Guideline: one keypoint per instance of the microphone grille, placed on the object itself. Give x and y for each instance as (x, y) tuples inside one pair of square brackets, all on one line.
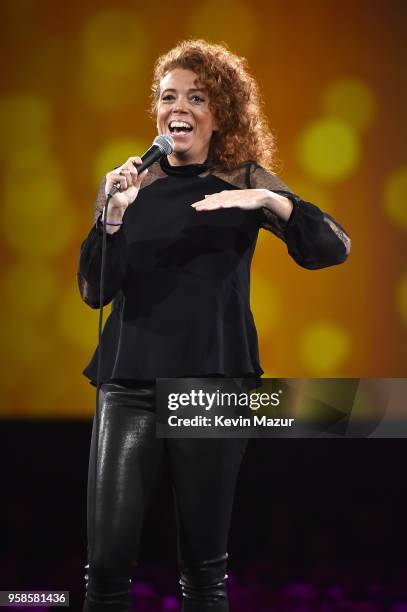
[(165, 143)]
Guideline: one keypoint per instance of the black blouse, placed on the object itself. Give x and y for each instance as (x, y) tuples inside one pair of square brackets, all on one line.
[(179, 279)]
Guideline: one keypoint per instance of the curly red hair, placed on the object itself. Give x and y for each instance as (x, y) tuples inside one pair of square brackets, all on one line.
[(234, 99)]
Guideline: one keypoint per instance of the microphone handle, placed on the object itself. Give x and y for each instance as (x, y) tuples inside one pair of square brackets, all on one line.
[(150, 156)]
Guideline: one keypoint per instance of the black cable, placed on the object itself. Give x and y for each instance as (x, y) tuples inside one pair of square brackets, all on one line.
[(99, 364)]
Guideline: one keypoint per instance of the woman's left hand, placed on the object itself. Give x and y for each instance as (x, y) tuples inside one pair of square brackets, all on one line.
[(248, 199)]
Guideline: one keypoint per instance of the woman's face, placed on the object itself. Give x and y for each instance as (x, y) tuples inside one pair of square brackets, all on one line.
[(183, 112)]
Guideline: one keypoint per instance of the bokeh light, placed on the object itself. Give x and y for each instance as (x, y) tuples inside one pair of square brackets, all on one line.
[(329, 150), (114, 153), (324, 346), (115, 49), (352, 101), (25, 125)]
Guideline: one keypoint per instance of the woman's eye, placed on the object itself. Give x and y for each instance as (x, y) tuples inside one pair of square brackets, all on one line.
[(194, 98)]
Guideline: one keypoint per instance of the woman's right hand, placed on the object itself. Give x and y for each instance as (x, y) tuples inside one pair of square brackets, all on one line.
[(129, 181)]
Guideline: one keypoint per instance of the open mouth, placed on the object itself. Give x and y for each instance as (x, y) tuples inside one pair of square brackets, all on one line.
[(179, 128)]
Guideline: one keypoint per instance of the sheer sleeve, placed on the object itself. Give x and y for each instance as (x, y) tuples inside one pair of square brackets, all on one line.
[(91, 257), (314, 239)]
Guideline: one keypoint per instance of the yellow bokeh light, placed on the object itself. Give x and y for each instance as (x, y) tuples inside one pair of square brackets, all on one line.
[(352, 101), (113, 41), (266, 306), (25, 124), (329, 150), (115, 49), (37, 218), (401, 298), (115, 153), (29, 287), (77, 322), (215, 21), (394, 197), (323, 348)]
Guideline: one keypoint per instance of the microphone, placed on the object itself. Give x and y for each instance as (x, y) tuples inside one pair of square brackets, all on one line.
[(162, 145)]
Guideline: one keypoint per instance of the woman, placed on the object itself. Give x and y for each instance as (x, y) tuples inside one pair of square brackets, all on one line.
[(180, 241)]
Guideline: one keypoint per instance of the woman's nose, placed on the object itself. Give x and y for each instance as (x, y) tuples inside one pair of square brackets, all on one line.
[(180, 105)]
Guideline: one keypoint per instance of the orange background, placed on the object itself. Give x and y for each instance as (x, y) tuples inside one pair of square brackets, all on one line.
[(75, 94)]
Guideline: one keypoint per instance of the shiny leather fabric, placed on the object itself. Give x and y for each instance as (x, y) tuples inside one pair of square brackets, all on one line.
[(129, 457), (203, 585)]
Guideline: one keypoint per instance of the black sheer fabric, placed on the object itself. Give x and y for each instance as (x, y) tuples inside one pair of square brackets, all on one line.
[(179, 279)]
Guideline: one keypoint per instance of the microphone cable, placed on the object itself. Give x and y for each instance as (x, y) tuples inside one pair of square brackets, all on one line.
[(99, 369), (162, 145)]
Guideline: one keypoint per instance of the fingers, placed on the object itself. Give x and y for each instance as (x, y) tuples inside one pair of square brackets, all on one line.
[(129, 170), (212, 202), (234, 198), (206, 207), (136, 161), (131, 178), (114, 178), (133, 161), (131, 164), (126, 175)]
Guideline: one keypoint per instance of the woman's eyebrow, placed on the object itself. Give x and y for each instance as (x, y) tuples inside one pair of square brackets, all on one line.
[(189, 90)]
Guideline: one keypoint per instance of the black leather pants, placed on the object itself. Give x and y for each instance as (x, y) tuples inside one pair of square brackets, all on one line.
[(129, 456)]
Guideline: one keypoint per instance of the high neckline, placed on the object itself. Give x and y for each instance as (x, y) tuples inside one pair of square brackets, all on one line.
[(183, 170)]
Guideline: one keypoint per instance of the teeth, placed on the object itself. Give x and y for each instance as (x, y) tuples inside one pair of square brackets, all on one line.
[(180, 124)]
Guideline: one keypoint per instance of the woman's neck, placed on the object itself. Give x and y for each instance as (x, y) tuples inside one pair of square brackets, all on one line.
[(184, 160)]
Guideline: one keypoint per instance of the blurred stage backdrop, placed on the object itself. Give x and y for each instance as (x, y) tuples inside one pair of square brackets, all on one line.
[(75, 93)]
